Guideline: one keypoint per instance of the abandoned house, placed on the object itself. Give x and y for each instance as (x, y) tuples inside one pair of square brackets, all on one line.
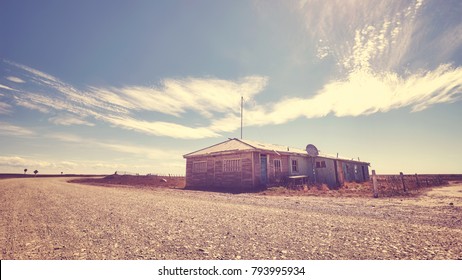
[(243, 165)]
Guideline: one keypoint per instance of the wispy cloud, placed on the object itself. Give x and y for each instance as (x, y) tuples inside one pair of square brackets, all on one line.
[(6, 87), (9, 129), (15, 79), (118, 106), (16, 164), (67, 119), (127, 148), (5, 108), (362, 33), (161, 128), (364, 93), (371, 42), (175, 96), (21, 162), (67, 137)]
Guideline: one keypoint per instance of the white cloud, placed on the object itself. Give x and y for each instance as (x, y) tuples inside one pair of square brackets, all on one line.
[(148, 152), (6, 87), (175, 96), (118, 106), (15, 79), (17, 164), (366, 92), (375, 38), (43, 108), (140, 150), (66, 137), (23, 162), (369, 41), (5, 108), (9, 129), (13, 161), (161, 128), (39, 76), (355, 32), (66, 119), (361, 93)]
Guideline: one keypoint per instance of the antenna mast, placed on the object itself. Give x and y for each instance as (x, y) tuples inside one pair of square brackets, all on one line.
[(242, 112)]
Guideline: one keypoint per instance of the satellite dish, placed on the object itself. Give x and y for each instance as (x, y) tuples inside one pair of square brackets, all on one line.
[(311, 150)]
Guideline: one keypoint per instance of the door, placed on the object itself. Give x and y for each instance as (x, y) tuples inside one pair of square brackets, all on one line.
[(264, 169)]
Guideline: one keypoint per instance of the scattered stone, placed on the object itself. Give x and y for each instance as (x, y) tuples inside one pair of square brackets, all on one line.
[(168, 224)]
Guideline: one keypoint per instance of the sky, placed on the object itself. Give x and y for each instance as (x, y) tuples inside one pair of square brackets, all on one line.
[(94, 87)]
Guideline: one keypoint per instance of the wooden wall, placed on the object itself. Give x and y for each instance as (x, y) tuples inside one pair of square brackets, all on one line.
[(334, 173), (275, 177), (326, 174), (216, 178)]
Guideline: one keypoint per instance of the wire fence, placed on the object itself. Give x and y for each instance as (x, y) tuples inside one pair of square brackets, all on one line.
[(395, 185)]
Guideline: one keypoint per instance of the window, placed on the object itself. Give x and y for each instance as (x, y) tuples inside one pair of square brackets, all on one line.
[(321, 164), (277, 165), (231, 165), (294, 165), (199, 166)]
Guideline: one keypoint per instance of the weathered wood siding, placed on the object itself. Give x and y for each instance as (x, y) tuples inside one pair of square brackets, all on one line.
[(325, 173), (333, 172), (355, 174), (303, 166), (216, 177), (276, 176), (257, 169), (340, 174)]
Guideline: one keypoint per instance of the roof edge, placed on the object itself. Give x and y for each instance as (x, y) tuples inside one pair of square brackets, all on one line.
[(186, 155), (229, 139)]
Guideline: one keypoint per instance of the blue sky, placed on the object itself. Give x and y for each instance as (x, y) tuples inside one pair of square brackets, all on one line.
[(100, 86)]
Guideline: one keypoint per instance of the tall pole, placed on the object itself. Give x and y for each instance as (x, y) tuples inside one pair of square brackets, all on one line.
[(242, 112)]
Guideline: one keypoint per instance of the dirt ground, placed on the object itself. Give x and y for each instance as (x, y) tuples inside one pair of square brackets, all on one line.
[(130, 181), (49, 218)]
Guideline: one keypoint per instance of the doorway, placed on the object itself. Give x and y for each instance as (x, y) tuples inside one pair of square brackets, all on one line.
[(264, 169)]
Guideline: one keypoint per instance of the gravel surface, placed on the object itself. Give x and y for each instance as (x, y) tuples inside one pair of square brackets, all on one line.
[(48, 218)]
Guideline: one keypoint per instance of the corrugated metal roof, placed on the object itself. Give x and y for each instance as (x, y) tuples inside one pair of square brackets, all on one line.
[(234, 144), (273, 147), (228, 145)]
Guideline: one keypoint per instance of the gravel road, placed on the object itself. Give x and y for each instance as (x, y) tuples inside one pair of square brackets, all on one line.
[(49, 218)]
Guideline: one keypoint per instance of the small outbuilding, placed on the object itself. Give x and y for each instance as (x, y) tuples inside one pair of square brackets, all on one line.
[(243, 165)]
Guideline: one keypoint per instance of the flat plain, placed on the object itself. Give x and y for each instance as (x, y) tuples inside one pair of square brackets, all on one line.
[(50, 218)]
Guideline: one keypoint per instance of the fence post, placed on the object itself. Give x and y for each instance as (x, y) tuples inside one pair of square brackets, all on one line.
[(374, 184), (402, 180), (417, 180)]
